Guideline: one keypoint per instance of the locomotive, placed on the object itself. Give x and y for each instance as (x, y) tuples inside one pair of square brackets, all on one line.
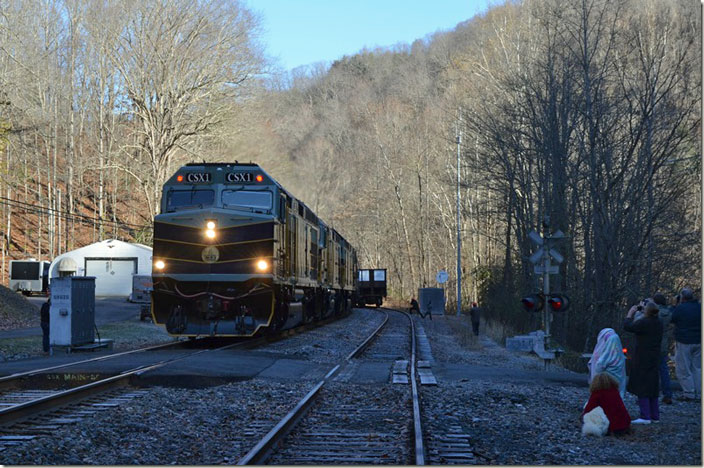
[(235, 254)]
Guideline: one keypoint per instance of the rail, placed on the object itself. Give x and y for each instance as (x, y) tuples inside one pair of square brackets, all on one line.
[(39, 405), (260, 453)]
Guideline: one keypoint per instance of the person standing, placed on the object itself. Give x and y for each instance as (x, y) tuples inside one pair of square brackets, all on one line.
[(687, 318), (475, 313), (44, 319), (645, 376), (428, 310), (414, 306), (665, 316)]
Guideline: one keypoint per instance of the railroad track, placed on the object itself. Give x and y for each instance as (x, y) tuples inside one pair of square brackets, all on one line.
[(340, 423), (26, 413), (15, 379)]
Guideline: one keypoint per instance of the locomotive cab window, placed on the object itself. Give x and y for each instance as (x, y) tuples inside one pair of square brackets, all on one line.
[(256, 200), (179, 199)]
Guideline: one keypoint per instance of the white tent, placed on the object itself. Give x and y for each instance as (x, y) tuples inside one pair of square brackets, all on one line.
[(112, 262)]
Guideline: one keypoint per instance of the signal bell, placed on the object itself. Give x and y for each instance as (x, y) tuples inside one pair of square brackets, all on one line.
[(533, 303)]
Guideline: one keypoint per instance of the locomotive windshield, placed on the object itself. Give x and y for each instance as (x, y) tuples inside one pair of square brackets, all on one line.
[(189, 198), (260, 200)]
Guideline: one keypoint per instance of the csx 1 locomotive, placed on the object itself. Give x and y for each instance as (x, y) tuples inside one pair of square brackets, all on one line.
[(235, 254)]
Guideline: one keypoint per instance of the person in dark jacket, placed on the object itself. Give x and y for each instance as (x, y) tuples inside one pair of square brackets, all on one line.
[(44, 319), (414, 306), (665, 315), (644, 379), (475, 313), (687, 318)]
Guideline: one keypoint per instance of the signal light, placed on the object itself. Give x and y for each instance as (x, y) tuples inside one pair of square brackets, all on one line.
[(533, 303), (262, 265), (625, 350), (559, 302), (179, 178), (159, 264), (259, 178)]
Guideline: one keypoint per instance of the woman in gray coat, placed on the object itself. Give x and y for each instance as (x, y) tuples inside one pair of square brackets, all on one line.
[(644, 379)]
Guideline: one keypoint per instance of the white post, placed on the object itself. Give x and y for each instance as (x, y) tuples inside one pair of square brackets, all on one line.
[(459, 241)]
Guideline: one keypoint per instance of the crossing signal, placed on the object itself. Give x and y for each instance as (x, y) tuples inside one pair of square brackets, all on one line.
[(559, 302), (533, 303)]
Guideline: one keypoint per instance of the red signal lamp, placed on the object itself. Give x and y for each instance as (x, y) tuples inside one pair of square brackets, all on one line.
[(625, 350), (533, 303), (559, 302), (259, 178), (179, 178)]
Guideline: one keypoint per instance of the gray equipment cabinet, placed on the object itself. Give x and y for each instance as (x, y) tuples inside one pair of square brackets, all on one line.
[(72, 312), (431, 300)]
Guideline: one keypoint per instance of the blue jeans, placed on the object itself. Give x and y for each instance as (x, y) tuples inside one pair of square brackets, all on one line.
[(665, 377)]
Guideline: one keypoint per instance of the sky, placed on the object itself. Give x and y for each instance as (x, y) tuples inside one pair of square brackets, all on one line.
[(301, 32)]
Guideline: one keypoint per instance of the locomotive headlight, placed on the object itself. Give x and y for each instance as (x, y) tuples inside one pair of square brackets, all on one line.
[(262, 265), (159, 264), (210, 225)]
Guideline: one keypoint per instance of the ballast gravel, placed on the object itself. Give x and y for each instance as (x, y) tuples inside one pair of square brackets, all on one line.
[(538, 423), (508, 423)]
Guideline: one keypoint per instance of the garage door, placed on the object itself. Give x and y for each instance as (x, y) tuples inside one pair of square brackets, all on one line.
[(113, 276)]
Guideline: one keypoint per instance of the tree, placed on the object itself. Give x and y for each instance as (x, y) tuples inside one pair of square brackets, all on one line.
[(185, 66)]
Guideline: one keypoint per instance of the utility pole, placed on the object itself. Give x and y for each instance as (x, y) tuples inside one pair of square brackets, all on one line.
[(459, 241)]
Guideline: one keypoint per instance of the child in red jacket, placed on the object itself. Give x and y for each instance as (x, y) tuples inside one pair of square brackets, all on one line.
[(604, 393)]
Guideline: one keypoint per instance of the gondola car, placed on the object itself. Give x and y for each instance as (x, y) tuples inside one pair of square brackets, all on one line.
[(235, 254), (371, 287)]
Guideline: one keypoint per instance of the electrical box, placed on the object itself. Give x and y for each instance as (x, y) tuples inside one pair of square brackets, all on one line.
[(431, 300), (72, 311)]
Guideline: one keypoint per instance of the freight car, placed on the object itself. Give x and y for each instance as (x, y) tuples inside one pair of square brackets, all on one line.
[(235, 254), (371, 287)]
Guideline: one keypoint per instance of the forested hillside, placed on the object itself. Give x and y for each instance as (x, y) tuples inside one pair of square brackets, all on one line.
[(585, 113)]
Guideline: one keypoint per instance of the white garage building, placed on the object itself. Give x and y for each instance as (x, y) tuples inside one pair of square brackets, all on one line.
[(111, 261)]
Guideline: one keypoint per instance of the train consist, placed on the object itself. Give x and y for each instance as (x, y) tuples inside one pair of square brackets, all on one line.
[(235, 254)]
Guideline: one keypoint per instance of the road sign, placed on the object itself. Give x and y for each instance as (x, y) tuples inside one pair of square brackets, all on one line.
[(556, 256), (535, 237), (537, 256), (442, 276), (552, 269)]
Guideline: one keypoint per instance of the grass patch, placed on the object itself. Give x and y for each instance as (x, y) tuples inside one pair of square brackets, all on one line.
[(127, 335), (20, 348), (460, 328), (132, 334)]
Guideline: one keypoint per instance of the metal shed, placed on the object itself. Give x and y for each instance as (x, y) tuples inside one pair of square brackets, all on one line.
[(111, 261)]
